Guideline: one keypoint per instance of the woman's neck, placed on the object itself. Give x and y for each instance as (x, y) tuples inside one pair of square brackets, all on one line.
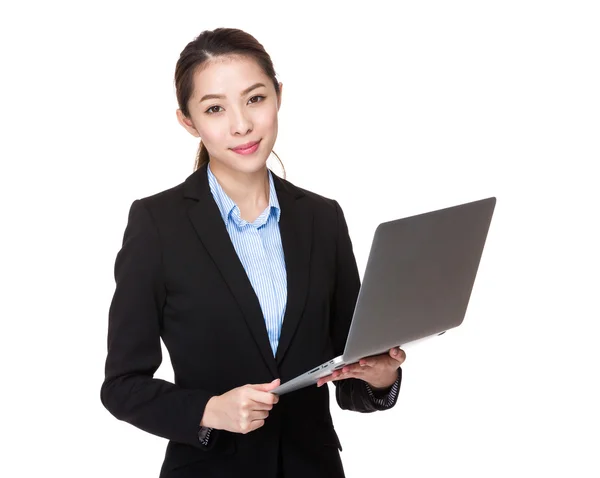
[(250, 191)]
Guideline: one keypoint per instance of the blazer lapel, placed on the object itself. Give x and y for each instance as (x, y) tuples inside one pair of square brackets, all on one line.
[(295, 226), (208, 223)]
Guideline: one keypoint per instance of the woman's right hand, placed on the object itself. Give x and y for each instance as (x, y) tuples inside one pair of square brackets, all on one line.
[(241, 410)]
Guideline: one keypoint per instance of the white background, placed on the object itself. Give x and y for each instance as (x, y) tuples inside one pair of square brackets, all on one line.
[(392, 108)]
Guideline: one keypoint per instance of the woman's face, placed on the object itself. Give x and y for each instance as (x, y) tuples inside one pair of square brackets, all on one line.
[(228, 109)]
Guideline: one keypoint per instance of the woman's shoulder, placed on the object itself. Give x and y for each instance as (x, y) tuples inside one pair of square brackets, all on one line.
[(162, 203), (163, 206), (174, 196), (164, 197)]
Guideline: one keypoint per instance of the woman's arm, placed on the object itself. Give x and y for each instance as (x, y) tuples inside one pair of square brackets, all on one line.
[(352, 394), (129, 390)]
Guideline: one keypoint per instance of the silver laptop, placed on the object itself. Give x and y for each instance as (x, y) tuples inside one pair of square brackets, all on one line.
[(417, 283)]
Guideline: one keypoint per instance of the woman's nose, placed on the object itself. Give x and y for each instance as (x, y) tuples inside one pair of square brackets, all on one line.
[(240, 123)]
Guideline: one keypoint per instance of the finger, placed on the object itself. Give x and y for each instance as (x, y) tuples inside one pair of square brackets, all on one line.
[(339, 376), (261, 406), (353, 371), (357, 373), (253, 425), (262, 397), (259, 415), (266, 387), (251, 421), (355, 368), (367, 362), (398, 354), (323, 380), (348, 371)]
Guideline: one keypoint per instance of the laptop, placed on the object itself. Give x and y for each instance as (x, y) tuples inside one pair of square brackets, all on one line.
[(416, 286)]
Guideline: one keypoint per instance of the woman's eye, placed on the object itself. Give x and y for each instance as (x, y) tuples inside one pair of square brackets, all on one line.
[(211, 110)]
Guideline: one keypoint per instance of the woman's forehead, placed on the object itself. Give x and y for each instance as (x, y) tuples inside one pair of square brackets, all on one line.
[(227, 75)]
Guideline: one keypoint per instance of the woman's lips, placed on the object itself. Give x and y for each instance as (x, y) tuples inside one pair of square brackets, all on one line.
[(248, 150)]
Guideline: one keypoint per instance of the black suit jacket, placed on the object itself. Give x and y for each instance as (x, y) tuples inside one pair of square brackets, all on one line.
[(178, 278)]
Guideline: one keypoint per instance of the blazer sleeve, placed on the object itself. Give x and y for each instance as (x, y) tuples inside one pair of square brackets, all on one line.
[(129, 390), (351, 394)]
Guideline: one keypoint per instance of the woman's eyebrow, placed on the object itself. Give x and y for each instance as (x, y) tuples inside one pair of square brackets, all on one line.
[(245, 92)]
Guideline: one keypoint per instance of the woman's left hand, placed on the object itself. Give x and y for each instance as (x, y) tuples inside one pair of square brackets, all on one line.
[(379, 371)]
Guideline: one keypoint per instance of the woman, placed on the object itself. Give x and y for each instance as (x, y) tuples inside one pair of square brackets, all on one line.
[(249, 281)]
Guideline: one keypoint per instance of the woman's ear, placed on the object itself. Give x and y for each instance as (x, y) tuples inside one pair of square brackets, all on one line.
[(187, 123), (279, 97)]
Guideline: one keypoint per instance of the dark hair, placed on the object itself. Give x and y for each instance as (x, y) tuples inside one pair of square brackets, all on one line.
[(209, 45)]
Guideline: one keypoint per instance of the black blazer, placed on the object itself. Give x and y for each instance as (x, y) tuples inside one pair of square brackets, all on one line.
[(178, 277)]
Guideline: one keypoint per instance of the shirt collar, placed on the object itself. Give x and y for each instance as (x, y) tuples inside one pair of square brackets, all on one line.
[(227, 205)]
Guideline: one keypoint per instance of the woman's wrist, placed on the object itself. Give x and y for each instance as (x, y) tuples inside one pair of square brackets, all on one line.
[(208, 418)]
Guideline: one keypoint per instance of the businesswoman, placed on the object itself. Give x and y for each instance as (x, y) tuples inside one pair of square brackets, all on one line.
[(249, 280)]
